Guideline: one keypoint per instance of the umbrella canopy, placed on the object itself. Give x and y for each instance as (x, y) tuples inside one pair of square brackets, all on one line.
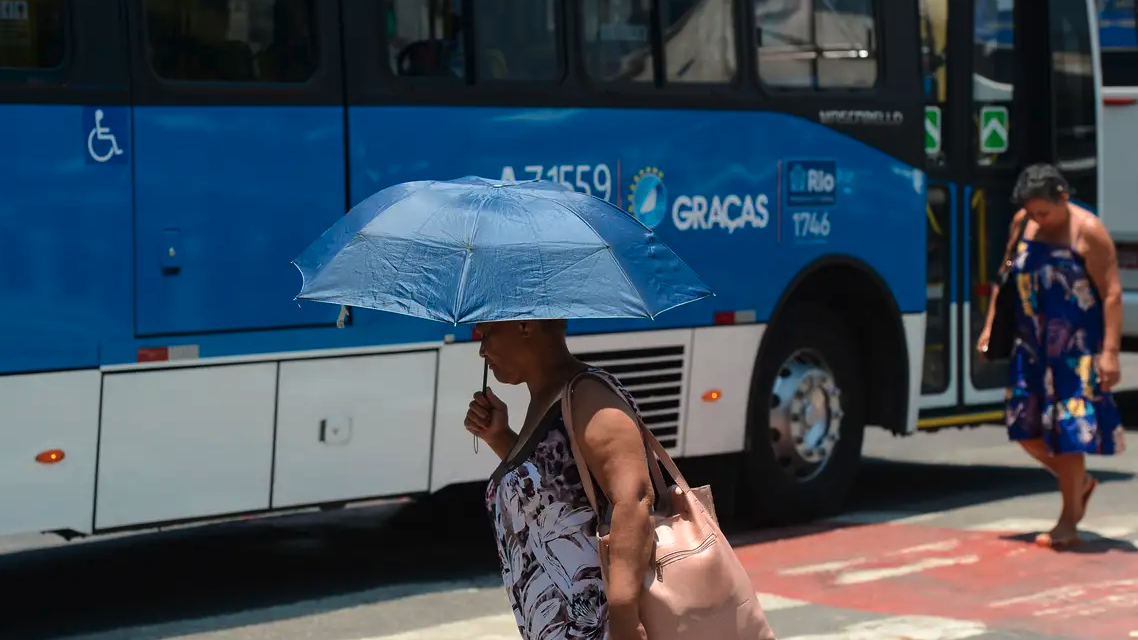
[(477, 250)]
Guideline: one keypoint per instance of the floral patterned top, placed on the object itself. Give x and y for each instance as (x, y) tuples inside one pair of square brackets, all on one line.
[(546, 533)]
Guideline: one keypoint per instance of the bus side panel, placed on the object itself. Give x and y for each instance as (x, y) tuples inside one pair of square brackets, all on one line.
[(226, 198), (65, 236), (767, 197), (194, 442), (41, 413)]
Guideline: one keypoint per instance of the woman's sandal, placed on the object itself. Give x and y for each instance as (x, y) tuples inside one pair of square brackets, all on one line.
[(1045, 540)]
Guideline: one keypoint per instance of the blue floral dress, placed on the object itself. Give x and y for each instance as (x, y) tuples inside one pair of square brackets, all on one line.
[(1053, 388)]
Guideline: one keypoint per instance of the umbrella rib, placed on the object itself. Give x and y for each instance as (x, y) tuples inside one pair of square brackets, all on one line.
[(619, 266), (466, 263)]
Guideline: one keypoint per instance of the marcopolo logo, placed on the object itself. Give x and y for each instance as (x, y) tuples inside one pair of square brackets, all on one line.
[(648, 198), (811, 183)]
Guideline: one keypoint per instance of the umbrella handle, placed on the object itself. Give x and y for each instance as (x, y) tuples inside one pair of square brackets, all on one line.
[(485, 380)]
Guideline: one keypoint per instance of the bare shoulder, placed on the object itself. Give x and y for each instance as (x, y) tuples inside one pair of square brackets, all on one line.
[(591, 393), (1092, 233)]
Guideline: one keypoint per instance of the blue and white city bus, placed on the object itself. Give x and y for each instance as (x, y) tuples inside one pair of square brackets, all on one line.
[(167, 158)]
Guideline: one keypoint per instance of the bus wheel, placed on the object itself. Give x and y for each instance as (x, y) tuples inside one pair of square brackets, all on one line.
[(806, 419)]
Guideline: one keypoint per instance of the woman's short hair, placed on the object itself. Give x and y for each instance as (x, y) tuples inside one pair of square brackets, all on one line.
[(1040, 181)]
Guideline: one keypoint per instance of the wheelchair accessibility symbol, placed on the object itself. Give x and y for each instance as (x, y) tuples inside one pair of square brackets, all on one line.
[(104, 131)]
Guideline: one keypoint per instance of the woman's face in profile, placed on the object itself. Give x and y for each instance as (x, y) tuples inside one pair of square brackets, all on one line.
[(1050, 216), (504, 347)]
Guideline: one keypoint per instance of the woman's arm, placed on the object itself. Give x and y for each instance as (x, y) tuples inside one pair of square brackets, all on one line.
[(613, 448), (1102, 265), (1009, 253)]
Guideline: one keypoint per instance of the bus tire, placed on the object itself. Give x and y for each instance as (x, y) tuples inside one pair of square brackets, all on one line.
[(805, 420)]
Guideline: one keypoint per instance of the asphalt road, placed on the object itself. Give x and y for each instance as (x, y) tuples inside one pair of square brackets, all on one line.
[(936, 547)]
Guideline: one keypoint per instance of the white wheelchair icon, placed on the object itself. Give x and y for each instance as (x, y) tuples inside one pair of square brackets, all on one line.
[(102, 134)]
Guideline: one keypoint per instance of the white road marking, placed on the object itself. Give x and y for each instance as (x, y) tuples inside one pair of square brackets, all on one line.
[(942, 545), (904, 628), (1014, 525), (1079, 600), (772, 602), (872, 575), (822, 567), (1113, 527)]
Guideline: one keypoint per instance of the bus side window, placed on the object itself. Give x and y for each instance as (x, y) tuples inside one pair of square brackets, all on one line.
[(232, 40), (32, 34), (617, 46), (817, 44), (517, 40), (699, 41), (1118, 41), (425, 39)]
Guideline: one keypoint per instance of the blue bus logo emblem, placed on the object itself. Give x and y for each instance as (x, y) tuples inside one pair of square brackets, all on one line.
[(812, 183), (648, 198)]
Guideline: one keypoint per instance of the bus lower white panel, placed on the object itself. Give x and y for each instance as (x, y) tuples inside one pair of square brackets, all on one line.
[(914, 324), (722, 360), (185, 443), (350, 428), (39, 413)]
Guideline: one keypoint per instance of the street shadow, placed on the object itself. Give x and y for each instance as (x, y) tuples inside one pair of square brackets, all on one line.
[(207, 579), (1090, 543)]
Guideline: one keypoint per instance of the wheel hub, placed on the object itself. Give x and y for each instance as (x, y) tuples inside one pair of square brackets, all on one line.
[(806, 415)]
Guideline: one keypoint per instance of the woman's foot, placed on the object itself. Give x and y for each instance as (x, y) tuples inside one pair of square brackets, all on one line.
[(1064, 535), (1089, 485)]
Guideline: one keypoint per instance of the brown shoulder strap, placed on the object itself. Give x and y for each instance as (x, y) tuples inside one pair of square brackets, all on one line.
[(1009, 251), (653, 450)]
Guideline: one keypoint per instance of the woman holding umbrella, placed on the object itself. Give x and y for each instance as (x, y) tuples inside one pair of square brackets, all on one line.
[(556, 589), (515, 259)]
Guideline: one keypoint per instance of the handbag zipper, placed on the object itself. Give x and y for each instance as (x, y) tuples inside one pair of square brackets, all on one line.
[(680, 555)]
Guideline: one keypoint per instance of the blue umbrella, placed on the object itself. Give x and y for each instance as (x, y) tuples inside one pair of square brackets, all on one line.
[(476, 250)]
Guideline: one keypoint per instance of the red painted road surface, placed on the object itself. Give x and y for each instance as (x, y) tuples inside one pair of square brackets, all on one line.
[(1001, 580)]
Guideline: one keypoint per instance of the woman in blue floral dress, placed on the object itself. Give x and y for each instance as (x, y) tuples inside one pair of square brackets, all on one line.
[(1068, 325)]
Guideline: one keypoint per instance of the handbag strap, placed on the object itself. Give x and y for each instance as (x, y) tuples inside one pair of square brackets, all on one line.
[(654, 451), (1010, 249)]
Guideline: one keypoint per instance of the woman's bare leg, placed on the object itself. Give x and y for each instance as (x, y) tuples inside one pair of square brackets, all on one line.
[(1074, 485), (1036, 449)]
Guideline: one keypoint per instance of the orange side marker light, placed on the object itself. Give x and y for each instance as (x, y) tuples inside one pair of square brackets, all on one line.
[(51, 456), (712, 396)]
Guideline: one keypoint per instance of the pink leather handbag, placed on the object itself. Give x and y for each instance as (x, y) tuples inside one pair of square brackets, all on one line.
[(696, 588)]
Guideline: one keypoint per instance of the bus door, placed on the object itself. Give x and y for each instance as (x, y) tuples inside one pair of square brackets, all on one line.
[(1011, 82), (1037, 102), (941, 358), (238, 112), (65, 176)]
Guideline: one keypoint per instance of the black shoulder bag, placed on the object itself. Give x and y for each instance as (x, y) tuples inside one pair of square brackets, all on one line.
[(1001, 338)]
